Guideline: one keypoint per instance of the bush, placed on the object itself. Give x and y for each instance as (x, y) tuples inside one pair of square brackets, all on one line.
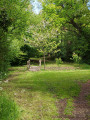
[(3, 75), (8, 109), (76, 58), (59, 61)]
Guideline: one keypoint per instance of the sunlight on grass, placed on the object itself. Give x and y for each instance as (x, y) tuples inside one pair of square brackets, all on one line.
[(37, 106)]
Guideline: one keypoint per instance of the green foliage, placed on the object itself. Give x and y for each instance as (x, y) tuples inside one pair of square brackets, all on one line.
[(14, 49), (71, 16), (23, 53), (44, 39), (3, 74), (8, 109), (14, 16), (63, 27), (9, 50), (76, 58), (4, 54), (58, 61)]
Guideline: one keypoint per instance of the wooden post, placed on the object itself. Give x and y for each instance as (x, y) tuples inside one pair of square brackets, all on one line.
[(28, 64), (44, 61), (40, 62)]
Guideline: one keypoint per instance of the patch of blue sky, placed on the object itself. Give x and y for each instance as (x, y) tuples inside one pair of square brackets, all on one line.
[(88, 4), (37, 7)]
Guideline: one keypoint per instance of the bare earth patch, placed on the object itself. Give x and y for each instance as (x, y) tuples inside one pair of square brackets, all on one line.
[(81, 106), (60, 68), (61, 104)]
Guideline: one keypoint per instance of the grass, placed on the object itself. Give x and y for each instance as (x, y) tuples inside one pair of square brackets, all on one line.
[(69, 108), (82, 66), (36, 93), (88, 98), (8, 108)]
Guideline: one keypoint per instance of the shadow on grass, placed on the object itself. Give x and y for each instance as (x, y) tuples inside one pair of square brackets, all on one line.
[(62, 85)]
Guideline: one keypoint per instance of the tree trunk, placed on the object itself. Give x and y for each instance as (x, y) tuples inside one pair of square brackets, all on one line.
[(44, 61)]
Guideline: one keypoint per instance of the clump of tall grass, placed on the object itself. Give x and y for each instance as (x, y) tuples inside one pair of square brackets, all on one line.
[(8, 108)]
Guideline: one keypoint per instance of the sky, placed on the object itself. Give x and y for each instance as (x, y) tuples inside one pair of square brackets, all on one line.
[(36, 6), (88, 4)]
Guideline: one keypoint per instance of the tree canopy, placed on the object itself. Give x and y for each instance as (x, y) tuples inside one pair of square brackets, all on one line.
[(74, 18)]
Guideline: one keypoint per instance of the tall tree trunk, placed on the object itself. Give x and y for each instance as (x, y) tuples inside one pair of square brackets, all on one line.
[(44, 61)]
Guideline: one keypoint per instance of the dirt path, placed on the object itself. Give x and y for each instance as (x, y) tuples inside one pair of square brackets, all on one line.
[(82, 108), (61, 68)]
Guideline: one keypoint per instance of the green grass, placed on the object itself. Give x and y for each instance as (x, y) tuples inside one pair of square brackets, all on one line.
[(36, 93), (69, 108), (8, 108), (88, 98), (82, 66)]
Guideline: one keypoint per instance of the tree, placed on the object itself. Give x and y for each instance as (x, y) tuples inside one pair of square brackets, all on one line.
[(73, 16), (43, 39), (14, 17)]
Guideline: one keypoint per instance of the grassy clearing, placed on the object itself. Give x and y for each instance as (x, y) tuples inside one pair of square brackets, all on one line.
[(37, 92)]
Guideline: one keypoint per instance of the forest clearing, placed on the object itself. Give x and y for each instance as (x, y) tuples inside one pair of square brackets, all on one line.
[(44, 59)]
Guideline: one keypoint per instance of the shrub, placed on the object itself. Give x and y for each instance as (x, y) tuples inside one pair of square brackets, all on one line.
[(8, 109), (76, 58), (3, 75), (59, 61)]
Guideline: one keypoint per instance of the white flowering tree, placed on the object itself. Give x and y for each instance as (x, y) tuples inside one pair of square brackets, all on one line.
[(44, 39)]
